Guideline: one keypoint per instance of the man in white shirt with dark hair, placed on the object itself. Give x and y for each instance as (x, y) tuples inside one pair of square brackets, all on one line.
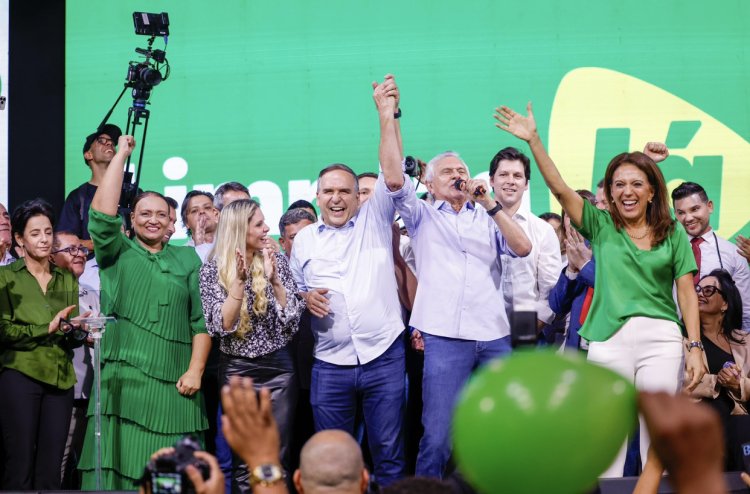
[(528, 280), (693, 209), (343, 265)]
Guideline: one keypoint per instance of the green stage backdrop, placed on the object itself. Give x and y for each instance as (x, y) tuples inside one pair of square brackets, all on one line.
[(267, 93)]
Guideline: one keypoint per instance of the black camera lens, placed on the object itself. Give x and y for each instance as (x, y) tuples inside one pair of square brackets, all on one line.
[(411, 167), (150, 76)]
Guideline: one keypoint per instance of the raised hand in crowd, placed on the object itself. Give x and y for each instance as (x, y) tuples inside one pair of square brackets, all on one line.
[(250, 429), (743, 246), (687, 438), (106, 201), (577, 251), (657, 151), (385, 95), (524, 127)]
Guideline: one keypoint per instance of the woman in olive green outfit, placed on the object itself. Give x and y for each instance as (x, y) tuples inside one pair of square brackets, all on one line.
[(155, 354), (36, 373)]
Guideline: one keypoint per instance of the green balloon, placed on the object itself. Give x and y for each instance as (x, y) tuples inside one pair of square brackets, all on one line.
[(539, 422)]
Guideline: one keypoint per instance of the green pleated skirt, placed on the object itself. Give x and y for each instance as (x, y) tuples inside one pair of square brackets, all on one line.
[(142, 410)]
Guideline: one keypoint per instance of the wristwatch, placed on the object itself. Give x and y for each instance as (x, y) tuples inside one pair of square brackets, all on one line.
[(266, 475), (695, 344), (496, 209)]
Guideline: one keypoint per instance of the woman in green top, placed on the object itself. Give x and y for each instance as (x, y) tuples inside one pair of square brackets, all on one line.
[(641, 251), (155, 354), (36, 373)]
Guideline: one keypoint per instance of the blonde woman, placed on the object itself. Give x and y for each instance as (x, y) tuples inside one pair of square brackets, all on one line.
[(250, 302)]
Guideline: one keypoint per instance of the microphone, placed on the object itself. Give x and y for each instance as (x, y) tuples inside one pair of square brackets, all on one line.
[(460, 184)]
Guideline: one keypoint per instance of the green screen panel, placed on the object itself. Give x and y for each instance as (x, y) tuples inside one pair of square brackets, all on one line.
[(267, 93)]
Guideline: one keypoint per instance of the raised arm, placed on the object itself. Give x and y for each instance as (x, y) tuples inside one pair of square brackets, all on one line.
[(389, 153), (108, 193), (525, 128)]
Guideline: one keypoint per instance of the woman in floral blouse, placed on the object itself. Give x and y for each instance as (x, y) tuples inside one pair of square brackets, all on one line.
[(250, 301)]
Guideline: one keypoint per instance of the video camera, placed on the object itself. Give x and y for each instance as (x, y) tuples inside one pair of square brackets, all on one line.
[(143, 76), (165, 474)]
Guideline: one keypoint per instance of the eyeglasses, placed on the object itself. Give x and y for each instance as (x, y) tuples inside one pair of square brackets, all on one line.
[(104, 141), (708, 290), (74, 250)]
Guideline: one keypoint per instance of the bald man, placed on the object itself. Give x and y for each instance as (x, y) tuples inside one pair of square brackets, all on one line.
[(331, 461)]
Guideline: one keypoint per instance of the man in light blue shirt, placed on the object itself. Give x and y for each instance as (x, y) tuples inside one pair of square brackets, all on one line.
[(343, 264), (459, 311)]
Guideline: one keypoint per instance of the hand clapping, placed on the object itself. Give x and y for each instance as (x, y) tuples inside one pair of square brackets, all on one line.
[(243, 272), (576, 249)]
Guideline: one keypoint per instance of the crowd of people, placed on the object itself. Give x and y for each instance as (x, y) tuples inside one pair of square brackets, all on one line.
[(358, 328)]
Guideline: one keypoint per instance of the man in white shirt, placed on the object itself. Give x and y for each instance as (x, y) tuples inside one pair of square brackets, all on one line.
[(458, 315), (343, 264), (528, 280), (693, 209)]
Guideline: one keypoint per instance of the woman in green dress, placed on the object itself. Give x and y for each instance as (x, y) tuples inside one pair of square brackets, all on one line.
[(154, 355)]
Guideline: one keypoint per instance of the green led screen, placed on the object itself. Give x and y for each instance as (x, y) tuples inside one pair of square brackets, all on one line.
[(267, 93)]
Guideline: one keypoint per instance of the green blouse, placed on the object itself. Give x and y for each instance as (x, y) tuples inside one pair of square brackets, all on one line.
[(631, 282), (156, 292), (25, 314)]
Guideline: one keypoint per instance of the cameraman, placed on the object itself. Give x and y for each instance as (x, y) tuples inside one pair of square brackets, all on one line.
[(98, 150)]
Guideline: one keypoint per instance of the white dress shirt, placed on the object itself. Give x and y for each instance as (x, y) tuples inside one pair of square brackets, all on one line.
[(459, 294), (726, 257), (7, 258), (528, 280), (355, 263)]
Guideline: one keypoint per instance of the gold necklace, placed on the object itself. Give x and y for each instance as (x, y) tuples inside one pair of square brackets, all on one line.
[(635, 237)]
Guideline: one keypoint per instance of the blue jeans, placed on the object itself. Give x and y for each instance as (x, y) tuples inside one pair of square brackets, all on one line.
[(335, 394), (448, 363)]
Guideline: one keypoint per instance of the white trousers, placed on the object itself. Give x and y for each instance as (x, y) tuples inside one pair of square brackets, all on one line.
[(648, 352)]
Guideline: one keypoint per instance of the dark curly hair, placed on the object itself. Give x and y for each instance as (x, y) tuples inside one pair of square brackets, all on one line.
[(732, 323)]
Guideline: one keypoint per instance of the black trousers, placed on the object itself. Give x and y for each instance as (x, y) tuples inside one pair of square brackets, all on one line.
[(274, 371), (34, 419)]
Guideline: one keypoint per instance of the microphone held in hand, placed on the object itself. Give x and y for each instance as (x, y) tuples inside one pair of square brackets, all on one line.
[(460, 184)]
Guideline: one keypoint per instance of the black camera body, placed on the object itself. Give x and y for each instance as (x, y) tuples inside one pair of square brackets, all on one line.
[(411, 166), (165, 474), (143, 76)]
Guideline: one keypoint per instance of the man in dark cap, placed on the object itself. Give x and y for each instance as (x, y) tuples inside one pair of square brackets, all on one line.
[(98, 150)]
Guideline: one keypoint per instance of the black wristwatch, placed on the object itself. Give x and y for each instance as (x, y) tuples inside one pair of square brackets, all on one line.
[(496, 209), (397, 114)]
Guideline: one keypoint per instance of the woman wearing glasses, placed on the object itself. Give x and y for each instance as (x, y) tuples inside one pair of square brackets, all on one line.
[(726, 386), (36, 372), (155, 354)]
